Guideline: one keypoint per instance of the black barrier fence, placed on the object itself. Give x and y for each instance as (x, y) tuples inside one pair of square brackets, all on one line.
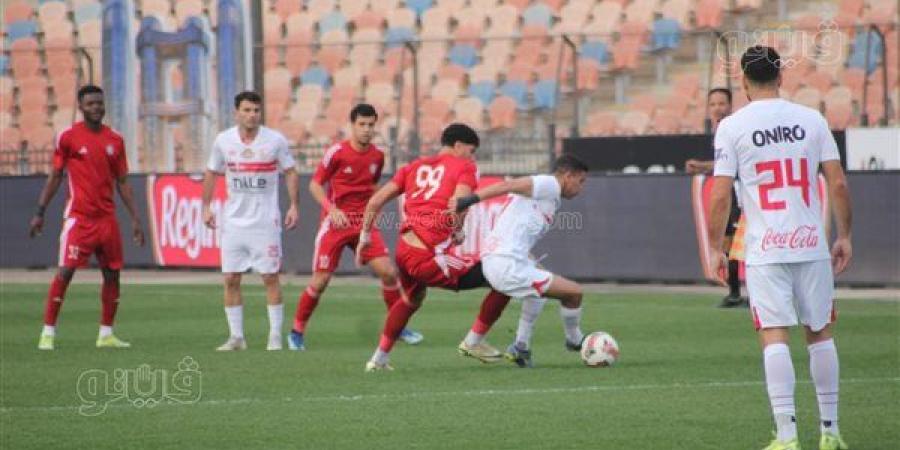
[(662, 154), (628, 227)]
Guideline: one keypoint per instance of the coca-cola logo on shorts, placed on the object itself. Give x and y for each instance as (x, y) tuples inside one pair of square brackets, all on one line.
[(180, 238), (805, 236)]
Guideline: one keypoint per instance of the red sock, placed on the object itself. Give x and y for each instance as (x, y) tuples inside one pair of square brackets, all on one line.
[(109, 302), (305, 307), (54, 300), (391, 294), (491, 309), (397, 318)]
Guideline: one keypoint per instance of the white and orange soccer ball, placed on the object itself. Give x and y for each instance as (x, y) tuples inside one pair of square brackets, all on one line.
[(599, 349)]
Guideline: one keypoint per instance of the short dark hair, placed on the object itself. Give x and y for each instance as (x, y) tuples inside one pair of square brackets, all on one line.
[(364, 110), (88, 89), (761, 64), (458, 132), (249, 96), (719, 90), (569, 163)]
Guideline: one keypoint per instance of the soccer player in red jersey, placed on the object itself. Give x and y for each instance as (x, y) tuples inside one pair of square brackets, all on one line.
[(425, 249), (94, 156), (351, 169)]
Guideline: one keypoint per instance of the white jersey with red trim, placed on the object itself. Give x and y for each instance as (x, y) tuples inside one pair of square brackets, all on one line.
[(524, 220), (774, 148), (251, 174)]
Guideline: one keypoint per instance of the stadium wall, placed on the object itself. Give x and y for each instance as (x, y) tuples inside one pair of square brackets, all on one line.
[(623, 227)]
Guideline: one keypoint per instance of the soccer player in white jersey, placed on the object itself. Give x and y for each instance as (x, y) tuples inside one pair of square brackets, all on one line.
[(775, 148), (506, 256), (251, 157)]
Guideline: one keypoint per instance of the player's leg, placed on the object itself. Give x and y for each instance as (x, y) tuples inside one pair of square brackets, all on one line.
[(771, 301), (733, 298), (391, 291), (275, 309), (53, 304), (814, 289), (397, 318), (326, 257), (234, 313), (569, 294), (519, 351), (474, 345), (110, 256)]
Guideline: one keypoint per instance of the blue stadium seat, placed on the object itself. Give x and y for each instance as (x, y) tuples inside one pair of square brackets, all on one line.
[(858, 53), (463, 55), (397, 36), (334, 20), (545, 94), (4, 63), (88, 12), (316, 75), (666, 35), (538, 14), (20, 29), (595, 50), (419, 6), (518, 91), (483, 90)]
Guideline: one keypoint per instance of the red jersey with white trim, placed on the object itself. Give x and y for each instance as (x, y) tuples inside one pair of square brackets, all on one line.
[(352, 176), (251, 175), (428, 184), (94, 161)]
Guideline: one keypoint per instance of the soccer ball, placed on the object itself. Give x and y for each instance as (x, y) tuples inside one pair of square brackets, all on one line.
[(599, 349)]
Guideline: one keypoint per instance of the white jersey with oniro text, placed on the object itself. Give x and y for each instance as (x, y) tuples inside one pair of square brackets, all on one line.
[(251, 174), (774, 148)]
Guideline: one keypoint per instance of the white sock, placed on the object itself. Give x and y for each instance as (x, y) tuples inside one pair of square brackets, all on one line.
[(49, 330), (531, 309), (571, 318), (780, 380), (380, 357), (105, 331), (235, 316), (473, 338), (824, 369), (276, 319)]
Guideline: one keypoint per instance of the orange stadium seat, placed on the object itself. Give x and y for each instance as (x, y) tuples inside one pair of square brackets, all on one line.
[(502, 112), (601, 123), (286, 8), (350, 8), (588, 78), (451, 72), (634, 122), (521, 5), (469, 111), (16, 11), (709, 14), (436, 108), (809, 96), (368, 19), (319, 8)]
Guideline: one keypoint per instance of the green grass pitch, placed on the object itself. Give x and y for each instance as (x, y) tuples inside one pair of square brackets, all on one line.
[(689, 377)]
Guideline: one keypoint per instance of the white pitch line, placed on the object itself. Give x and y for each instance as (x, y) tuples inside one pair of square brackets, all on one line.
[(435, 394)]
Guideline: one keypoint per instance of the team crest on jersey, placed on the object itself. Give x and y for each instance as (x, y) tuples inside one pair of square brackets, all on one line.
[(110, 150), (247, 153), (82, 151), (373, 168), (348, 169)]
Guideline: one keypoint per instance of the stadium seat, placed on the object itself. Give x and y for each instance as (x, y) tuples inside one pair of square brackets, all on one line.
[(350, 8), (709, 14), (349, 75), (528, 53), (595, 50), (451, 72), (502, 113), (380, 95), (435, 22), (518, 91), (345, 92), (545, 94), (368, 19), (319, 8), (645, 103), (20, 29), (470, 111), (496, 52), (325, 129), (463, 55), (821, 81), (520, 5), (446, 90), (504, 19), (634, 123), (600, 123), (857, 57), (397, 37), (435, 108), (678, 10), (666, 35), (419, 6), (380, 74), (605, 19), (88, 12), (157, 8), (24, 58), (285, 8), (334, 20), (401, 18), (397, 59), (538, 14), (665, 123), (588, 76), (297, 58), (17, 11), (810, 97), (483, 91), (640, 11)]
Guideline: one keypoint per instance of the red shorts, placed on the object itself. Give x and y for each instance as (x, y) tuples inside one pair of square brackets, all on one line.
[(82, 237), (420, 268), (330, 242)]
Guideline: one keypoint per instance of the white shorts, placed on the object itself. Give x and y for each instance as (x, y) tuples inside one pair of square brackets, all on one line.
[(258, 251), (779, 293), (517, 278)]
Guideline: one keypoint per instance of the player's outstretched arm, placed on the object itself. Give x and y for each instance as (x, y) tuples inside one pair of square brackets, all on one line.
[(209, 184), (386, 193), (841, 250), (127, 195), (522, 186), (36, 226), (292, 180), (720, 204)]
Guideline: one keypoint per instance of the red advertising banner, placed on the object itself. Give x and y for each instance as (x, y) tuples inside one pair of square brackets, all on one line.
[(701, 188), (180, 238)]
